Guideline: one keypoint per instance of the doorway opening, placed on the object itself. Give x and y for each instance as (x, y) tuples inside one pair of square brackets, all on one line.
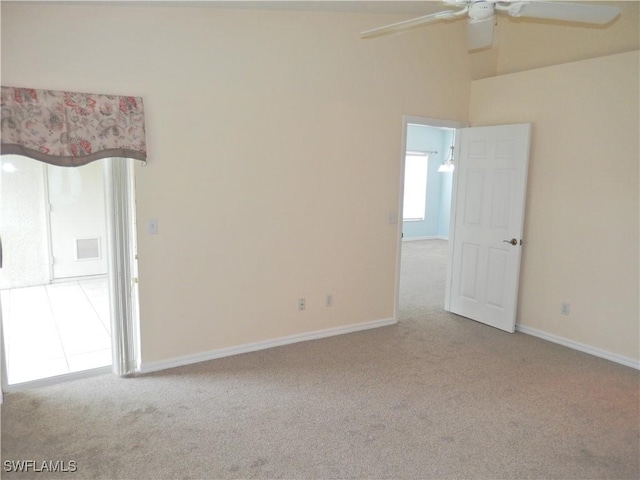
[(62, 258), (425, 210)]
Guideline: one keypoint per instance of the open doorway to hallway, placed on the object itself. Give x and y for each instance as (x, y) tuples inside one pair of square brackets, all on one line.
[(425, 217), (53, 284)]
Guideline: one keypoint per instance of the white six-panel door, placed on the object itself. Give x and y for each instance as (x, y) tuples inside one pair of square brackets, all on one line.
[(487, 223)]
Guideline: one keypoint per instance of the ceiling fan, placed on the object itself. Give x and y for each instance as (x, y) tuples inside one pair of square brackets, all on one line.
[(481, 17)]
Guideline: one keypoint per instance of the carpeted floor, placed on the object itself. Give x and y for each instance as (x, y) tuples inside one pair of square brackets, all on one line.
[(434, 397)]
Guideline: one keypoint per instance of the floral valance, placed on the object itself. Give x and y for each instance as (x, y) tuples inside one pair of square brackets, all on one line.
[(71, 129)]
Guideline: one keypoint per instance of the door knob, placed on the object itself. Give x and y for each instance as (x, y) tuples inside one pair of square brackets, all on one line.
[(513, 241)]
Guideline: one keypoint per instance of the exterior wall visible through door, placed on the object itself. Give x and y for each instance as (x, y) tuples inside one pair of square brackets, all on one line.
[(73, 231)]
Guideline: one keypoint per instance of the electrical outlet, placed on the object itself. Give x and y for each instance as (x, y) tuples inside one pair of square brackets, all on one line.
[(328, 300), (565, 308), (302, 304)]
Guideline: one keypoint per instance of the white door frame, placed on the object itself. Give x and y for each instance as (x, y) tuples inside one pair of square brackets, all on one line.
[(427, 122), (122, 261), (122, 171), (47, 219)]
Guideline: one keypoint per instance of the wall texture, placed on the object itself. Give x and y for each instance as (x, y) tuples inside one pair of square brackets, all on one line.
[(581, 228), (274, 146)]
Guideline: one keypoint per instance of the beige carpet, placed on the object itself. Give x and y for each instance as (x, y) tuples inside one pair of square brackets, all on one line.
[(434, 397)]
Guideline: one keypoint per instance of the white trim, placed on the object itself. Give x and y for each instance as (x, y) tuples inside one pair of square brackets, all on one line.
[(254, 347), (433, 237), (453, 209), (66, 377), (581, 347), (399, 214), (47, 220), (433, 122)]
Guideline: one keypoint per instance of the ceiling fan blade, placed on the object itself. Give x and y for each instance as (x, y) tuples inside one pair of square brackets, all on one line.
[(480, 33), (414, 22), (569, 12)]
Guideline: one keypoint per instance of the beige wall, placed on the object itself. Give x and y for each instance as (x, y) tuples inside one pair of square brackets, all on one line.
[(274, 140), (581, 229)]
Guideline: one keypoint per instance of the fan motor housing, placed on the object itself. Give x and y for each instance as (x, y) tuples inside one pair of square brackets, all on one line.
[(481, 10)]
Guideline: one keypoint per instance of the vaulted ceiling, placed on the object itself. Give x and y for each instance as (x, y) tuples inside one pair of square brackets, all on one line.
[(519, 44)]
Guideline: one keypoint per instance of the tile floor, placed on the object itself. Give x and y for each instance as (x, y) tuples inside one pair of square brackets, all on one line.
[(56, 329)]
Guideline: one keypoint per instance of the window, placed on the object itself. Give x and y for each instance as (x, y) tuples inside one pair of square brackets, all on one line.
[(415, 186)]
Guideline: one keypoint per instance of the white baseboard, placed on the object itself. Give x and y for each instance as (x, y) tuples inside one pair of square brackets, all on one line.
[(413, 239), (253, 347), (597, 352)]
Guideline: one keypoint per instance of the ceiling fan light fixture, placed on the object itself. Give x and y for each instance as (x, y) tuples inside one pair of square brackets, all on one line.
[(481, 11)]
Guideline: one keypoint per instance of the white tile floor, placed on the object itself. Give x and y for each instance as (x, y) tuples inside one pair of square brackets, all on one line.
[(56, 329)]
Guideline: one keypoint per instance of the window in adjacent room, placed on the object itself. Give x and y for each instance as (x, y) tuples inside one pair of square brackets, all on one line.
[(415, 186)]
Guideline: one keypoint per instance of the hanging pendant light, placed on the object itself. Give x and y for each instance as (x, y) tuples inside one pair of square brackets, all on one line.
[(447, 165)]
